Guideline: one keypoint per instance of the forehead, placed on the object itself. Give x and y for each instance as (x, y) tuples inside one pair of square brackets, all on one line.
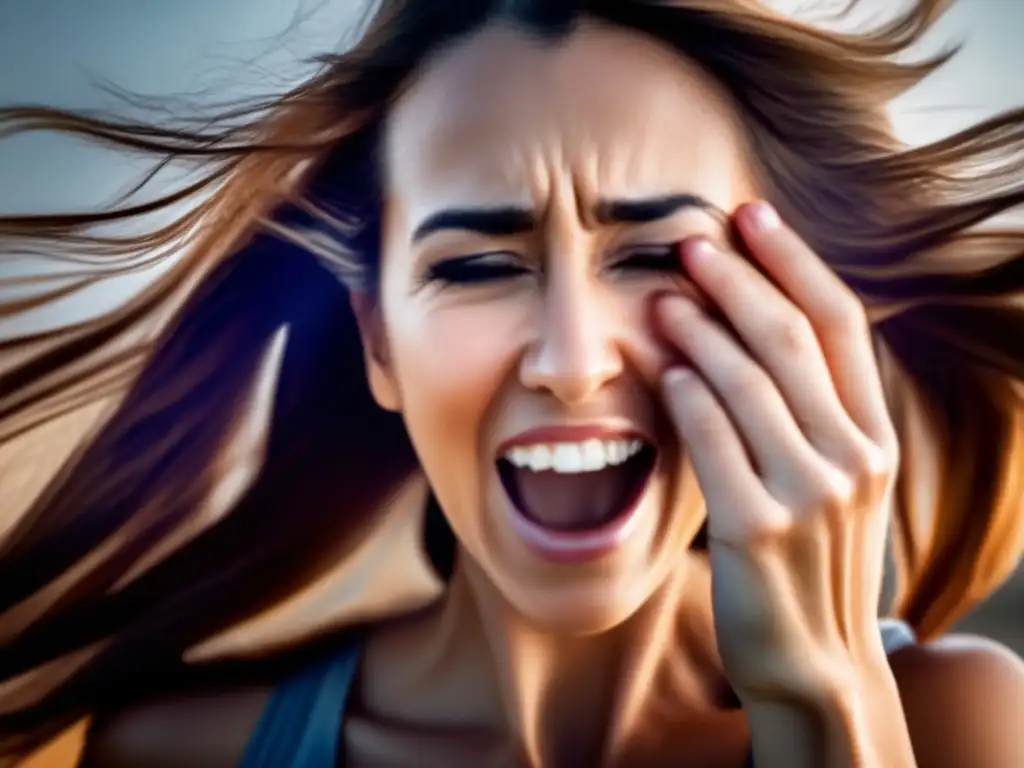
[(504, 117)]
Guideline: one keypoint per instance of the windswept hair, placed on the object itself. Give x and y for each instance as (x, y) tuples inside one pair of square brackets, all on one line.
[(235, 449)]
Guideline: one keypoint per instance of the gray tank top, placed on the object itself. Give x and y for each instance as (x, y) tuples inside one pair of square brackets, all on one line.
[(301, 724)]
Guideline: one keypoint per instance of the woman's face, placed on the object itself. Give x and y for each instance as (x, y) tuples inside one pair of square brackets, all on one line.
[(535, 196)]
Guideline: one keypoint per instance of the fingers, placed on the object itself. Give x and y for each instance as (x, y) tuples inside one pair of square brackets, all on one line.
[(785, 341), (782, 361), (719, 458), (780, 451), (834, 311)]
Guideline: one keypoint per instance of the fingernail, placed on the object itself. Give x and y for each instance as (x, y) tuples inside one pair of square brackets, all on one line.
[(700, 248), (764, 216), (677, 376)]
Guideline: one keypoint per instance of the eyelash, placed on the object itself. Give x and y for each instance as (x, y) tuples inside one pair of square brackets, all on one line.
[(469, 270), (475, 269)]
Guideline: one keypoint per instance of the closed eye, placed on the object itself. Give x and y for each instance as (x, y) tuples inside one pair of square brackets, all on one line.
[(657, 258), (476, 268), (496, 266)]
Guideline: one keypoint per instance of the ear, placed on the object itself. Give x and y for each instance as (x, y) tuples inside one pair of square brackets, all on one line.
[(379, 373)]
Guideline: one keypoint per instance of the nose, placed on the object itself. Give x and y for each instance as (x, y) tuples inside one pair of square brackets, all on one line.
[(575, 352)]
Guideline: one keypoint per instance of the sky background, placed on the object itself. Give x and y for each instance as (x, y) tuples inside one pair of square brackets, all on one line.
[(54, 51)]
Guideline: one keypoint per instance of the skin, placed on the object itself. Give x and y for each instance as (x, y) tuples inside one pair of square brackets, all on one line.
[(759, 387)]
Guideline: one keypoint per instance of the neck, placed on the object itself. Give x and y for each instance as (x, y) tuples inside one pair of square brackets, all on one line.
[(589, 700)]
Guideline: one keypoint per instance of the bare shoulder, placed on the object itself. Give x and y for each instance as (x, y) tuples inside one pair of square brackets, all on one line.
[(209, 729), (963, 697)]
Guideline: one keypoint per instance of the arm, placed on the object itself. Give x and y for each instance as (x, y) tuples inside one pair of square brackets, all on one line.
[(959, 702), (781, 407), (842, 724)]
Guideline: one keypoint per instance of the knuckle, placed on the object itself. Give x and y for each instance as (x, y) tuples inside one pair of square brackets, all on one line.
[(846, 314), (705, 424), (833, 490), (747, 381), (696, 411), (889, 446), (866, 460), (874, 463), (792, 334)]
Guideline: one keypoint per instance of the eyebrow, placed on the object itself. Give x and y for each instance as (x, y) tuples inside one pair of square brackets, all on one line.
[(644, 210), (496, 222), (507, 221)]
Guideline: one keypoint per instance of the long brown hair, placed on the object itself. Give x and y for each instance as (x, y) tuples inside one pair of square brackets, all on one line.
[(176, 518)]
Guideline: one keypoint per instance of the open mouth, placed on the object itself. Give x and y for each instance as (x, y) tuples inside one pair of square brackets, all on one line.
[(576, 488)]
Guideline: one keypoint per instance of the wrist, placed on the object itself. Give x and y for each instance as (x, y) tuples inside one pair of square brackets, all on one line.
[(849, 737), (849, 720)]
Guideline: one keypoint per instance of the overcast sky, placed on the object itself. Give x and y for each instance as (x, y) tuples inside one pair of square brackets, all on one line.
[(53, 50)]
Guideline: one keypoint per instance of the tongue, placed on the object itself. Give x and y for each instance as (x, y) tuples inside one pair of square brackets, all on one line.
[(574, 501)]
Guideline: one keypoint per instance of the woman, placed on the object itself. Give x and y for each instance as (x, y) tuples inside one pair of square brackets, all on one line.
[(576, 442)]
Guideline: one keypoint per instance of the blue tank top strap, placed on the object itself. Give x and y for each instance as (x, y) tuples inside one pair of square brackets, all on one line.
[(301, 724), (896, 634)]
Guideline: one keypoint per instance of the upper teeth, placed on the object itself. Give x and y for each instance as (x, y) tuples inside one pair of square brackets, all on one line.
[(571, 458)]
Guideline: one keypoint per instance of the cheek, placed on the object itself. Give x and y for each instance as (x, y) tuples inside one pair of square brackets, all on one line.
[(452, 364), (646, 349)]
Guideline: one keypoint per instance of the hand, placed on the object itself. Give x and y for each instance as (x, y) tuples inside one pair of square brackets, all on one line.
[(784, 419)]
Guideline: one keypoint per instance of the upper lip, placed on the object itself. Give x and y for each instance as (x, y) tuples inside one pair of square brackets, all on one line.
[(572, 433)]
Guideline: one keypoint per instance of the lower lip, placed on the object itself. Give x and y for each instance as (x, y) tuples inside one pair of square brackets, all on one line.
[(580, 546)]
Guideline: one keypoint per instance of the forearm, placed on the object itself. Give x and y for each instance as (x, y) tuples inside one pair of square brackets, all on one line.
[(836, 726)]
